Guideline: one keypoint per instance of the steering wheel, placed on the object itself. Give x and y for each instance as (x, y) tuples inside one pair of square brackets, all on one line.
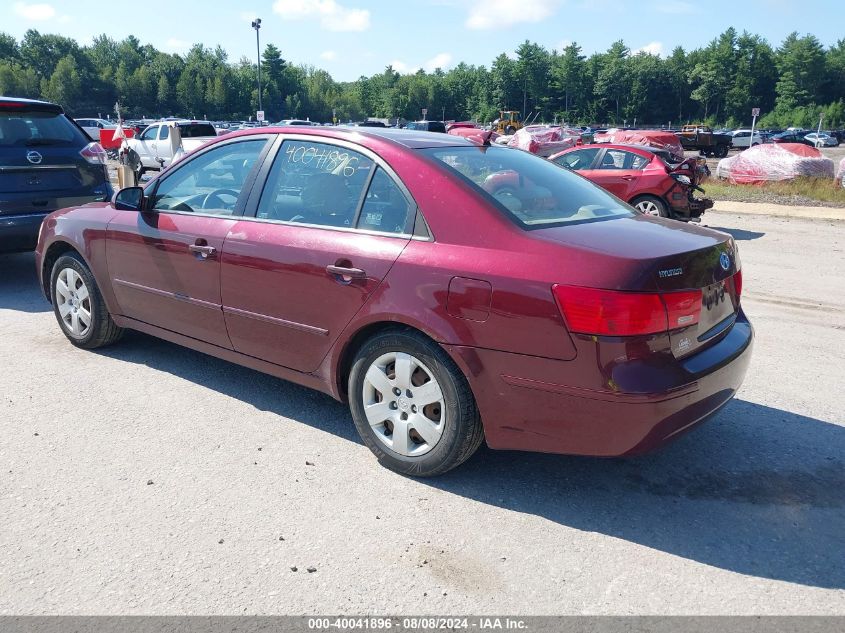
[(216, 195)]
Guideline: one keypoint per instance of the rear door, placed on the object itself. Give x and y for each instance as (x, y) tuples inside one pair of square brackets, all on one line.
[(619, 172), (330, 223), (164, 262), (41, 168)]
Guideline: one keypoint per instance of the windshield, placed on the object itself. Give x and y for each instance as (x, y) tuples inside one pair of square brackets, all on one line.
[(28, 129), (534, 192)]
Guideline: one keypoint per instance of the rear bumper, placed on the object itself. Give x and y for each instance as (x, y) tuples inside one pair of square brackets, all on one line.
[(20, 232), (20, 223), (529, 403)]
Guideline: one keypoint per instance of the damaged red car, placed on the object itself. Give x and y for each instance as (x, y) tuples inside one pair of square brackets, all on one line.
[(652, 180), (451, 292)]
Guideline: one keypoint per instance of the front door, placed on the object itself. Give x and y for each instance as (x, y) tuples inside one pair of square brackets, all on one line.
[(329, 225), (164, 262)]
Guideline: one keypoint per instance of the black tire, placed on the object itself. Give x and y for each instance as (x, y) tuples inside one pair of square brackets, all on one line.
[(721, 151), (510, 130), (651, 202), (101, 330), (462, 433)]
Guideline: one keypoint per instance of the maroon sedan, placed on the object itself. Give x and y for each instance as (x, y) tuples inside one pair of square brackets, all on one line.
[(380, 267)]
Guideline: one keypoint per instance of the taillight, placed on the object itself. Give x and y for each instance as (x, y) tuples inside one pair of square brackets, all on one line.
[(738, 284), (94, 154), (682, 308), (616, 313)]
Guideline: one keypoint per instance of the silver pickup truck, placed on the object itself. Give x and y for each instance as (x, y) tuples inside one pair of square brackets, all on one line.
[(155, 148)]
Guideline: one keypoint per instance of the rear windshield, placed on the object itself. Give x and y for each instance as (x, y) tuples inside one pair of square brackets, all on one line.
[(29, 129), (532, 191), (193, 130)]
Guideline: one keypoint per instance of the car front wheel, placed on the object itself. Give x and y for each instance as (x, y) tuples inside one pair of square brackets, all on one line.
[(412, 406), (79, 306)]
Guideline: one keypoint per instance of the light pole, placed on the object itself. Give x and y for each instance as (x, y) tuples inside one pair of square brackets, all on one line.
[(256, 24)]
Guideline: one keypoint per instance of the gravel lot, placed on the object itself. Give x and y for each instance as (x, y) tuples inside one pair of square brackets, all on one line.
[(148, 479)]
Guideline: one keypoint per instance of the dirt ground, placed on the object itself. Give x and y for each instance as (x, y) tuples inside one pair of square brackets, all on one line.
[(145, 478)]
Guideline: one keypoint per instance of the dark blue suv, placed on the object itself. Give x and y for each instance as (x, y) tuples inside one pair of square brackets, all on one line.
[(47, 162)]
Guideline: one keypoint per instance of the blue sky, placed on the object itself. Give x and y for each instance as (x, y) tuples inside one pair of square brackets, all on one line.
[(354, 37)]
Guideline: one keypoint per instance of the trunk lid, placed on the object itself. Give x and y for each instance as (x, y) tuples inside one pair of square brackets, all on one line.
[(652, 254)]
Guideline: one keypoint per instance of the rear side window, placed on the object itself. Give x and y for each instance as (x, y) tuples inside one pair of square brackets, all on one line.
[(386, 209), (29, 129), (165, 132), (315, 183)]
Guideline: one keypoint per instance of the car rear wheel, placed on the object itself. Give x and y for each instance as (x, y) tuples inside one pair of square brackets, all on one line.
[(412, 406), (651, 205), (721, 151), (79, 306)]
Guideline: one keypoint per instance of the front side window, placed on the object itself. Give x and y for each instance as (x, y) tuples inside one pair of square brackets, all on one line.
[(532, 191), (150, 133), (211, 182), (315, 183), (579, 159)]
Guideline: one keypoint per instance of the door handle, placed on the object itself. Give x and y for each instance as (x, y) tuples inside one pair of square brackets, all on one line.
[(628, 177), (204, 251), (344, 272)]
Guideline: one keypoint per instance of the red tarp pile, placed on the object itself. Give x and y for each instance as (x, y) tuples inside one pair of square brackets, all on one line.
[(473, 133), (650, 138), (774, 161), (544, 140)]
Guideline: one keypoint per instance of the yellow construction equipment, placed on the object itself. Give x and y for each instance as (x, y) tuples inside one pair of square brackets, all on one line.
[(508, 122)]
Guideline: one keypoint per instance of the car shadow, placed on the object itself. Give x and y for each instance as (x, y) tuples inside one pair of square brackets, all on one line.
[(757, 490), (19, 284), (739, 234)]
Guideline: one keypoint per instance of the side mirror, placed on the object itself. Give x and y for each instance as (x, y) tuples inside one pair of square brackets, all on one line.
[(129, 199)]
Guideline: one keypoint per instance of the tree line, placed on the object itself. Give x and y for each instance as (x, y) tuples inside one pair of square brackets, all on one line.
[(718, 84)]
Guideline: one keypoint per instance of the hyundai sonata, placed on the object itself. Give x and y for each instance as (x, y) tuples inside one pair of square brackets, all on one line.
[(450, 291)]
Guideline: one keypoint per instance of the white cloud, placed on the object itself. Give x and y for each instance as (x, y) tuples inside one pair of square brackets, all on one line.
[(652, 48), (441, 60), (39, 11), (401, 67), (329, 56), (332, 15), (499, 14), (174, 44)]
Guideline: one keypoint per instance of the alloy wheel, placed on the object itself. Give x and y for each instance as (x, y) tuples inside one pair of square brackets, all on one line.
[(74, 302), (649, 207), (404, 404)]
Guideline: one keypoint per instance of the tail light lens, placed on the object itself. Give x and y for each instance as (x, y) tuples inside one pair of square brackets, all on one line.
[(738, 284), (615, 313), (94, 154)]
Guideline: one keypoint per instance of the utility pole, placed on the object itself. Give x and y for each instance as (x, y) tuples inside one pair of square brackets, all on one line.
[(256, 24)]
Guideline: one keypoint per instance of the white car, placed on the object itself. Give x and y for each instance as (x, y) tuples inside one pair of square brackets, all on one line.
[(154, 148), (822, 140), (93, 126), (742, 139)]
